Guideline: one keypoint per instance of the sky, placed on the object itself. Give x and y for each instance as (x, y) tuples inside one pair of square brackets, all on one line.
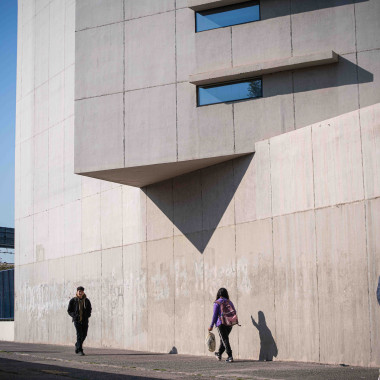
[(8, 60)]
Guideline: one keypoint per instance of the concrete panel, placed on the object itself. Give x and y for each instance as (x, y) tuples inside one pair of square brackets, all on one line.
[(220, 266), (185, 43), (370, 134), (112, 298), (27, 117), (26, 178), (187, 203), (41, 236), (7, 331), (19, 57), (91, 223), (25, 253), (41, 108), (69, 83), (373, 252), (160, 295), (369, 65), (338, 174), (154, 66), (150, 130), (213, 50), (143, 8), (28, 53), (56, 233), (90, 186), (73, 228), (56, 165), (28, 10), (343, 285), (159, 210), (111, 218), (17, 184), (202, 131), (92, 13), (255, 284), (57, 37), (328, 27), (181, 4), (99, 119), (72, 183), (56, 99), (41, 170), (367, 25), (41, 63), (57, 303), (135, 296), (189, 293), (292, 172), (325, 92), (217, 196), (39, 308), (89, 276), (262, 41), (296, 289), (41, 4), (134, 215), (262, 118), (69, 33), (108, 185), (103, 45)]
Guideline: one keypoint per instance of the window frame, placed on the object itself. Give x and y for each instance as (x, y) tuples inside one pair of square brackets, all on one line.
[(226, 7), (227, 83)]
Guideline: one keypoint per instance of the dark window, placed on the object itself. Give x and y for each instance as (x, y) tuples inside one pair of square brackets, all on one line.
[(228, 92), (226, 16)]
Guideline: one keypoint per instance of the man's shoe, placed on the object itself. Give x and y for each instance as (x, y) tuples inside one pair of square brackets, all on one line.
[(230, 359), (218, 357)]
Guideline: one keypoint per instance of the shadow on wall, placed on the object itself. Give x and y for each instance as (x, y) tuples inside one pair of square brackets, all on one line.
[(285, 8), (196, 202), (268, 347)]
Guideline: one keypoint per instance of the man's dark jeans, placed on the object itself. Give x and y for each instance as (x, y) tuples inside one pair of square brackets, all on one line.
[(81, 328), (224, 332)]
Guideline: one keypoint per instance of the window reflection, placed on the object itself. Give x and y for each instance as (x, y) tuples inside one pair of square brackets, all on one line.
[(227, 16), (229, 92)]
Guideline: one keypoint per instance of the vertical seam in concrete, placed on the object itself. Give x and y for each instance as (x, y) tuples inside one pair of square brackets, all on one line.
[(294, 102), (232, 57), (236, 265), (316, 250), (173, 258), (147, 264), (176, 79), (291, 53), (203, 260), (101, 270), (274, 276), (364, 191), (124, 28)]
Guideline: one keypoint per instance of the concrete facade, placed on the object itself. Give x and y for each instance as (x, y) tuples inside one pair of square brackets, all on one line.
[(275, 198)]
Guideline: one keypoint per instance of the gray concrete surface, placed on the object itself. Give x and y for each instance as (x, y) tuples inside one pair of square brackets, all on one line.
[(37, 361)]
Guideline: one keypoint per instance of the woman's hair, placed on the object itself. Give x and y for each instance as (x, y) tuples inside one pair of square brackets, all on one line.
[(222, 292)]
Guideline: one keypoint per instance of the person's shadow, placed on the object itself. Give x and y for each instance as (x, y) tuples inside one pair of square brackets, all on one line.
[(268, 347)]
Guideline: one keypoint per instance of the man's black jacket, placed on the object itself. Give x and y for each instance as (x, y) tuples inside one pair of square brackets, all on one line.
[(73, 309)]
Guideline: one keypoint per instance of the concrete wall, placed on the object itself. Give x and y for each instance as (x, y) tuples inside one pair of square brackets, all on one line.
[(291, 231), (146, 110), (7, 331)]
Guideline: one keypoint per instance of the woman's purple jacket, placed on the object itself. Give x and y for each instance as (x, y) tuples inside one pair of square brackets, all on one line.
[(215, 317)]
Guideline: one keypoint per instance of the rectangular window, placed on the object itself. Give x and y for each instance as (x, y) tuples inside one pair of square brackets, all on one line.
[(228, 92), (227, 16)]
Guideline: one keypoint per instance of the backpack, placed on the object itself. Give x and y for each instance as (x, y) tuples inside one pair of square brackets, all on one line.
[(228, 316)]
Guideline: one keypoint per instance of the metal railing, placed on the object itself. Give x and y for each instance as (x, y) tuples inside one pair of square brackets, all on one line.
[(7, 295)]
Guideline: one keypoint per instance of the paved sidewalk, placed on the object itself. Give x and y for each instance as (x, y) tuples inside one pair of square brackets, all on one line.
[(40, 361)]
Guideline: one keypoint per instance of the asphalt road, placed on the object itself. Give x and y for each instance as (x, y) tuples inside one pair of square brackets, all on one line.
[(40, 361)]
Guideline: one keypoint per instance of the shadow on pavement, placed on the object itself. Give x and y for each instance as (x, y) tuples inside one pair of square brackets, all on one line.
[(20, 370)]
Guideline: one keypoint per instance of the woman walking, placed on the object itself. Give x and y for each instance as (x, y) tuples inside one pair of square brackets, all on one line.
[(224, 317)]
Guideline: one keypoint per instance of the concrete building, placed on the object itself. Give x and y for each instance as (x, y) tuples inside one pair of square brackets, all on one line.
[(275, 198)]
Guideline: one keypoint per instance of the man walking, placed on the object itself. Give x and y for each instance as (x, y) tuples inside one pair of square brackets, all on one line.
[(80, 310)]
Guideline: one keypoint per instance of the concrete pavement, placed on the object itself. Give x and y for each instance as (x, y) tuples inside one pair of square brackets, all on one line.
[(40, 361)]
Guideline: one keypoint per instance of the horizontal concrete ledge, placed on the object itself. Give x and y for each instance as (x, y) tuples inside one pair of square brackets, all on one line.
[(140, 176), (200, 5), (261, 68)]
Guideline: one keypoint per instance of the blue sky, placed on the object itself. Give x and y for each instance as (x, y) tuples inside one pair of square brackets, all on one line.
[(8, 59)]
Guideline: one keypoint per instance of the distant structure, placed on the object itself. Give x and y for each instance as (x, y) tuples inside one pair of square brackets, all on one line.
[(7, 237)]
